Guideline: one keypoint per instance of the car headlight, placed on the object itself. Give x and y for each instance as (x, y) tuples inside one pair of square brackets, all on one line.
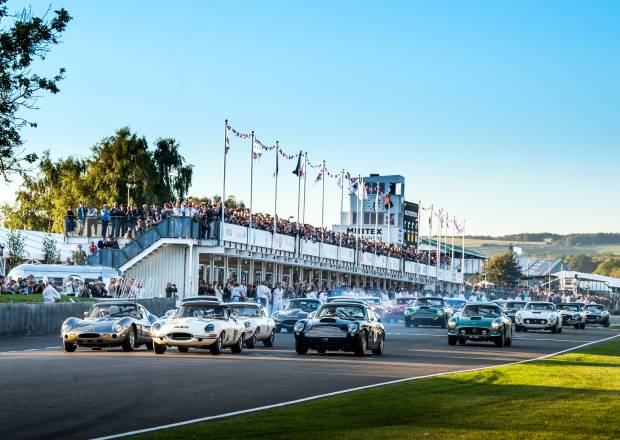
[(519, 315), (247, 325), (604, 313), (209, 328), (156, 326), (117, 327), (451, 324), (299, 326), (353, 327), (66, 327), (496, 325), (275, 315), (576, 316)]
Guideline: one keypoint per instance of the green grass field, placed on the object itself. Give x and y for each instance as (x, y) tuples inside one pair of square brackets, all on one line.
[(35, 298), (576, 396), (493, 247)]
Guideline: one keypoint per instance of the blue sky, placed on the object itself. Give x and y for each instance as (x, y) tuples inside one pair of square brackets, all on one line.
[(502, 113)]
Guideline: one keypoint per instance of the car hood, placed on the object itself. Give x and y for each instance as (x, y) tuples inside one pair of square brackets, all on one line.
[(430, 309), (474, 321), (342, 324), (293, 313), (594, 312), (546, 315), (95, 325)]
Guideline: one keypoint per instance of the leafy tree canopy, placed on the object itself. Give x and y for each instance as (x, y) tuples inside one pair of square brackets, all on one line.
[(503, 270)]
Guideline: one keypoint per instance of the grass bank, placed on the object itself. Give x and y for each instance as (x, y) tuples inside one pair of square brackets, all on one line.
[(36, 298), (576, 395)]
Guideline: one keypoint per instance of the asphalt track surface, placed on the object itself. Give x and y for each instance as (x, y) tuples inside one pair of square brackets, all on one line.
[(46, 393)]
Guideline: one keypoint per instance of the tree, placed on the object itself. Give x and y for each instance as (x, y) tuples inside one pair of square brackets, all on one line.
[(51, 253), (15, 243), (608, 266), (503, 270), (175, 175), (581, 263), (23, 40)]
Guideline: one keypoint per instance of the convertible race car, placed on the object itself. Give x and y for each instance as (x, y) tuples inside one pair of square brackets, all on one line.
[(109, 324), (347, 326), (480, 322), (572, 314), (200, 324), (296, 309), (258, 325), (539, 315), (597, 314), (428, 311)]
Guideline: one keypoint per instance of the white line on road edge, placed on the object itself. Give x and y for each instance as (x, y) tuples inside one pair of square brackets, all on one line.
[(336, 393)]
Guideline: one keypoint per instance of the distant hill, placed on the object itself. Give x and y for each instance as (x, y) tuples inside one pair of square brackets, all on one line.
[(568, 240)]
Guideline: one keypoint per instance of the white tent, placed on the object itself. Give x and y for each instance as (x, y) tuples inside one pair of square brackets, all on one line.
[(33, 244)]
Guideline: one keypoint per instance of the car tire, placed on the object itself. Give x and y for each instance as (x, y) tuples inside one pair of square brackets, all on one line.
[(149, 346), (576, 326), (182, 349), (269, 341), (500, 341), (554, 329), (129, 344), (321, 350), (559, 329), (518, 328), (508, 342), (407, 323), (278, 329), (379, 350), (301, 348), (96, 348), (452, 340), (606, 324), (462, 341), (361, 343), (444, 322), (216, 347), (159, 348), (69, 347), (238, 347), (251, 343), (582, 326)]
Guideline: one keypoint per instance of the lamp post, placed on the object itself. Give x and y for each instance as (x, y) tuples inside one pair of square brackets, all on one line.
[(130, 186)]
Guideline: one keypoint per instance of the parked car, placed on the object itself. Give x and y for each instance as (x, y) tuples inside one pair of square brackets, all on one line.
[(480, 322), (397, 311), (200, 324), (597, 314), (539, 315), (296, 309), (259, 326), (347, 326), (113, 323), (428, 311), (572, 314)]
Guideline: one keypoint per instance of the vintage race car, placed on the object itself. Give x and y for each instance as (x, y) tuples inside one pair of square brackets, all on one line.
[(296, 309), (259, 326), (428, 311), (346, 326), (396, 312), (200, 324), (539, 315), (456, 304), (597, 314), (480, 322), (572, 314), (375, 304), (109, 324), (512, 307)]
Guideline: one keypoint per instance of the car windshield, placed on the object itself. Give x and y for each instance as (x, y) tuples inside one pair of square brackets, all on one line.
[(343, 311), (456, 303), (429, 302), (113, 311), (246, 310), (305, 305), (485, 311), (540, 307), (201, 311), (570, 307), (515, 305), (402, 301), (371, 300), (595, 307)]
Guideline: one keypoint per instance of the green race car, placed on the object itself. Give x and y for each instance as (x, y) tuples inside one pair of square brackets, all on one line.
[(480, 322), (428, 311)]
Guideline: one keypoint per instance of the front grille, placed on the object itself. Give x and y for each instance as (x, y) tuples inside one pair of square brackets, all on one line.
[(424, 315), (88, 335), (325, 332), (593, 316), (535, 321), (180, 336), (289, 322), (475, 331)]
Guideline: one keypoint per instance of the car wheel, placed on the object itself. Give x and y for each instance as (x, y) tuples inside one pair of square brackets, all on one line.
[(96, 348), (269, 341), (462, 341), (518, 328), (582, 326), (407, 323), (278, 329), (159, 348), (238, 347), (576, 326), (321, 350), (216, 347), (444, 322), (379, 350), (129, 344), (508, 342), (606, 324), (559, 329), (183, 349), (451, 340), (360, 344), (250, 343), (554, 329), (149, 345), (69, 347), (301, 348), (500, 341)]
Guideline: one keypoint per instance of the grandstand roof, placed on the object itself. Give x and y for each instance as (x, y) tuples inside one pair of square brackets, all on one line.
[(614, 283), (426, 243), (539, 267)]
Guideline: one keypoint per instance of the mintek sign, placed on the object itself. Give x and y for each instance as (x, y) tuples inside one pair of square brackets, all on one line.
[(365, 231)]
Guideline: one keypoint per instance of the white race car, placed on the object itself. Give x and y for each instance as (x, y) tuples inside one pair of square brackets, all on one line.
[(539, 315), (199, 324), (259, 326)]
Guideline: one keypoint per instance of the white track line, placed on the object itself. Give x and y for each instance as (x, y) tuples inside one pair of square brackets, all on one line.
[(336, 393)]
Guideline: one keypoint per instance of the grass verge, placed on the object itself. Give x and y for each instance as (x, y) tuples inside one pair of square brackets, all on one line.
[(575, 395), (36, 298)]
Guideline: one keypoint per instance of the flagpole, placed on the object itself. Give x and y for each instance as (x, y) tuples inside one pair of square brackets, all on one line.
[(438, 257), (322, 212), (251, 189), (224, 182), (298, 205), (463, 255), (275, 201), (359, 221), (303, 215), (430, 238), (376, 221), (341, 208)]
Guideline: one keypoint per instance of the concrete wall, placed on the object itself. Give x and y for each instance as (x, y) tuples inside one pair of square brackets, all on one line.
[(24, 319)]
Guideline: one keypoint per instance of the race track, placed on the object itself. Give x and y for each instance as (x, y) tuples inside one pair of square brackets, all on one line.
[(47, 393)]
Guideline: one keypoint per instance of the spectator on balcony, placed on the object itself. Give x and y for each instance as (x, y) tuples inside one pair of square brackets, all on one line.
[(128, 235), (103, 243), (79, 255), (177, 211), (81, 216), (112, 243), (70, 222), (105, 220), (92, 247), (91, 220), (171, 290), (115, 216)]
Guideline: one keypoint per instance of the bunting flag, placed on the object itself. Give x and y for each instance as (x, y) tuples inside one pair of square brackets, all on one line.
[(299, 169), (339, 181), (318, 177), (257, 152), (226, 144), (388, 202), (277, 170)]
